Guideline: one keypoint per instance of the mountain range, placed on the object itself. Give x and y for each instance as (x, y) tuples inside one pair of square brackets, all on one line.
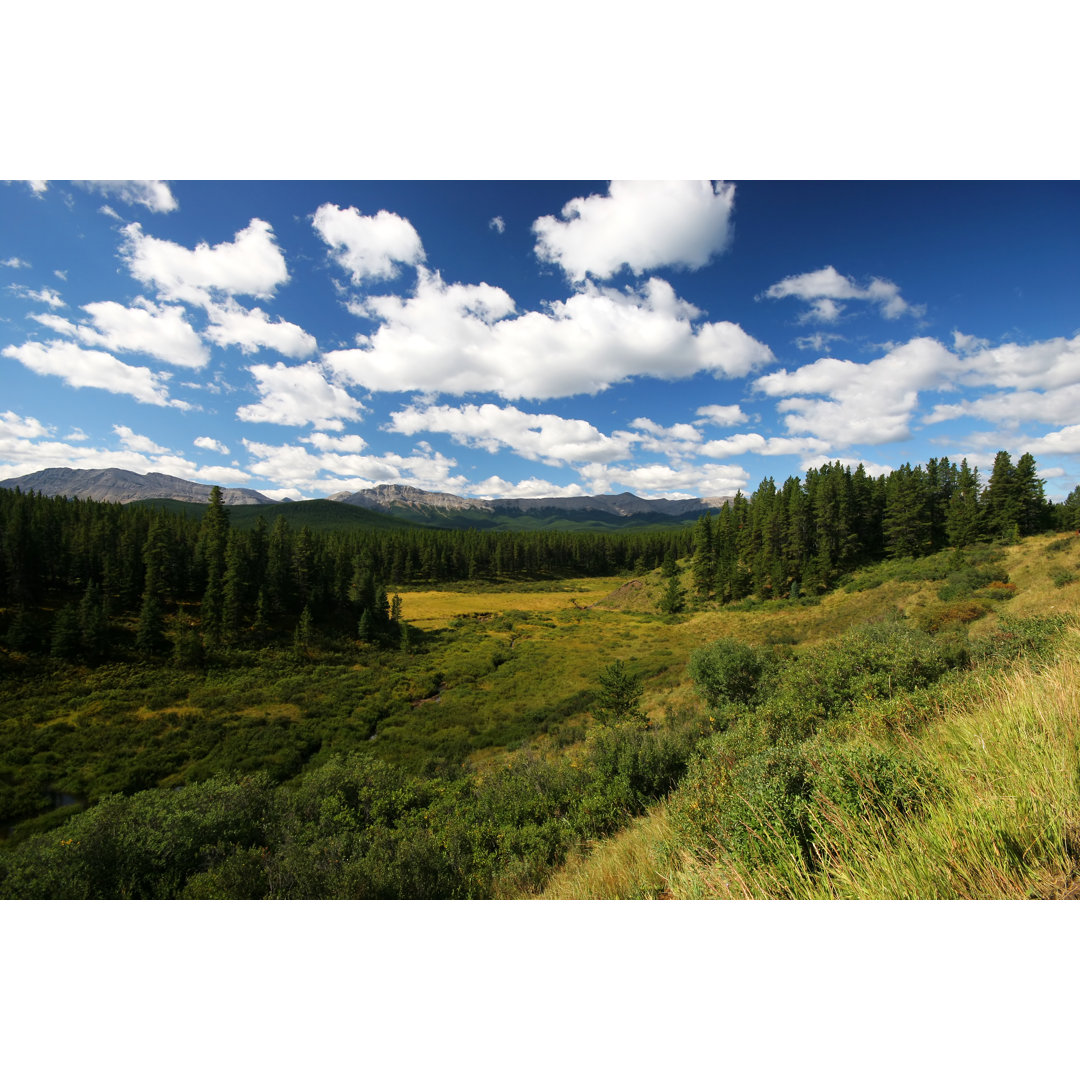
[(120, 485)]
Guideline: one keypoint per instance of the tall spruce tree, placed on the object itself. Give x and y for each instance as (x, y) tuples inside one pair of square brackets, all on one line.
[(962, 519), (702, 569), (1033, 508)]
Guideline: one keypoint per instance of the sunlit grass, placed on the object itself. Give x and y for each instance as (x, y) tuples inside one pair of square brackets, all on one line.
[(434, 608)]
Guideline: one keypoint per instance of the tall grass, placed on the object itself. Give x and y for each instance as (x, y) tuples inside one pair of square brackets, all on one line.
[(1004, 822)]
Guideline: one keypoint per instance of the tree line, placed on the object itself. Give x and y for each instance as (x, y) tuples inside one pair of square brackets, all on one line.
[(799, 538), (71, 570), (74, 573)]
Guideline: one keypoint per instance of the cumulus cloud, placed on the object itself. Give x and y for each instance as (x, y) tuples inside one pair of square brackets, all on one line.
[(721, 415), (1065, 441), (677, 441), (250, 264), (205, 442), (143, 444), (497, 224), (80, 367), (753, 443), (44, 296), (155, 195), (252, 329), (460, 339), (1011, 409), (160, 331), (868, 403), (495, 487), (368, 247), (544, 437), (667, 481), (300, 395), (22, 427), (639, 224), (1041, 365), (821, 289), (15, 263), (293, 467)]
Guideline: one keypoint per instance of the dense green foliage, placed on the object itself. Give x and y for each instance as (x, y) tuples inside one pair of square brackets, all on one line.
[(776, 790), (74, 574), (354, 827), (800, 538)]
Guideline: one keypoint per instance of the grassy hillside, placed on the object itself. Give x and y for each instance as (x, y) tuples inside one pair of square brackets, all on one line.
[(970, 790)]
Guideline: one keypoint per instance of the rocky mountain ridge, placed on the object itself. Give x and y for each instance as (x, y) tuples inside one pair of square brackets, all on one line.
[(121, 485), (390, 496)]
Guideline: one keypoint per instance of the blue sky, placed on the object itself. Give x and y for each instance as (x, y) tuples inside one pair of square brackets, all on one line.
[(536, 338)]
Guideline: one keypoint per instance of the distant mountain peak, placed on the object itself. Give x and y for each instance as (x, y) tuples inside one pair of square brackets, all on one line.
[(122, 486)]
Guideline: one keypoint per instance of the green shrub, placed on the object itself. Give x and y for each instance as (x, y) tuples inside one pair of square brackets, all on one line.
[(729, 671)]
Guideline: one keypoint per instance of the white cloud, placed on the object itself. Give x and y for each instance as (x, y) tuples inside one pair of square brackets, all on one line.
[(639, 224), (108, 211), (497, 224), (458, 339), (1042, 365), (293, 467), (495, 487), (677, 441), (667, 481), (721, 415), (252, 330), (818, 341), (16, 263), (158, 331), (61, 274), (368, 247), (142, 444), (536, 437), (861, 403), (968, 343), (22, 427), (251, 264), (822, 288), (753, 443), (89, 368), (45, 296), (38, 187), (1011, 409), (343, 444), (205, 442), (1065, 441), (153, 194), (298, 395)]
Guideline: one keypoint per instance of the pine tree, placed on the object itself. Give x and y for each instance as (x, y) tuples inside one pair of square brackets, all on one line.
[(618, 695), (962, 520), (93, 623), (305, 629), (1001, 499), (65, 633), (1033, 508), (150, 632), (673, 599), (702, 569)]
